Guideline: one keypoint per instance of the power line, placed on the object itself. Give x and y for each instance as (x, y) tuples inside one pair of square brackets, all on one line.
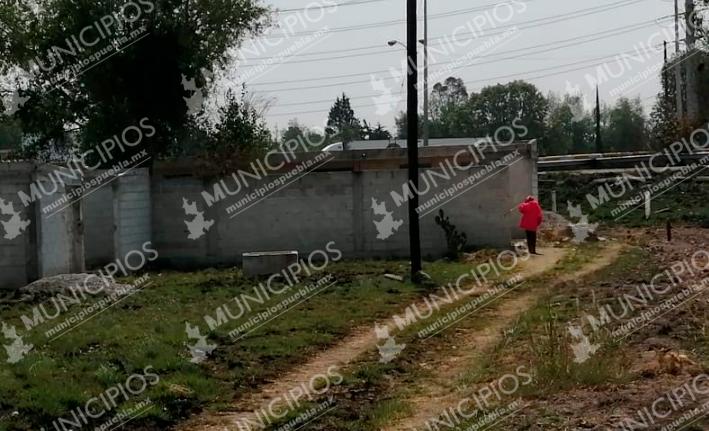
[(374, 24), (522, 26), (387, 51), (352, 3), (488, 79), (533, 78), (521, 74), (399, 21), (350, 75), (568, 42), (484, 7), (480, 80)]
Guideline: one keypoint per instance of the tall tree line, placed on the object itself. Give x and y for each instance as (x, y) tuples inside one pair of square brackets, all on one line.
[(562, 124)]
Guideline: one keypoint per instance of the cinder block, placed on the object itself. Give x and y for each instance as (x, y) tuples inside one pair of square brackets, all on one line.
[(266, 263)]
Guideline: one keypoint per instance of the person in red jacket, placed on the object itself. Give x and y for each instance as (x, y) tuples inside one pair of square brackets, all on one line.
[(531, 220)]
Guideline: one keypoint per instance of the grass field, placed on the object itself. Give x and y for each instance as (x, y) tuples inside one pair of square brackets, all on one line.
[(146, 334), (682, 202), (148, 329)]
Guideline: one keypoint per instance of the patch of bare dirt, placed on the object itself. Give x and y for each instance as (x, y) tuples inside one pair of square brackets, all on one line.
[(663, 356), (434, 395), (361, 341)]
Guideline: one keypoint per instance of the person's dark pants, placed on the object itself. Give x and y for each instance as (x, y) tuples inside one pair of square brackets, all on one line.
[(531, 241)]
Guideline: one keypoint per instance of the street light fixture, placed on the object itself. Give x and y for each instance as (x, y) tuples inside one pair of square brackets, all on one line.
[(423, 42)]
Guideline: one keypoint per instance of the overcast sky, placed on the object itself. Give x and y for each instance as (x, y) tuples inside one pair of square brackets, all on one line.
[(556, 44)]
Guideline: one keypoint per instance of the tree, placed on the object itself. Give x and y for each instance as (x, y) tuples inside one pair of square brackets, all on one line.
[(558, 138), (302, 135), (240, 131), (378, 133), (10, 135), (499, 105), (568, 126), (341, 122), (170, 43), (663, 125), (402, 125), (294, 131), (626, 130), (448, 116), (450, 93)]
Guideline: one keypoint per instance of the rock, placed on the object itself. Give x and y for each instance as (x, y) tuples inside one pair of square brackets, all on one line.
[(394, 277), (554, 227), (67, 284)]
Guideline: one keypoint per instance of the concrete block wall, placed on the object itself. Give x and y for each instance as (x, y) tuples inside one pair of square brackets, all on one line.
[(479, 212), (55, 231), (51, 244), (132, 209), (170, 233), (311, 211), (314, 210), (98, 227), (18, 255)]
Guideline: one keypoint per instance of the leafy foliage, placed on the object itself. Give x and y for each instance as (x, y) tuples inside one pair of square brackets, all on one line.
[(561, 124), (341, 122), (240, 131), (626, 128), (456, 241), (664, 128), (569, 127), (166, 42), (456, 114), (378, 133), (296, 133)]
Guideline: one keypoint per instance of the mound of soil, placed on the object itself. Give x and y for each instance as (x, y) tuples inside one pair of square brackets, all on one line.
[(67, 284)]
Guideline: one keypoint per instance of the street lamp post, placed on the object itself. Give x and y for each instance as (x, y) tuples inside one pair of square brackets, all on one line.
[(425, 73)]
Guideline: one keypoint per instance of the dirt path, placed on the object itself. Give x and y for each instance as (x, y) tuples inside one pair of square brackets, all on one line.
[(435, 394), (361, 340)]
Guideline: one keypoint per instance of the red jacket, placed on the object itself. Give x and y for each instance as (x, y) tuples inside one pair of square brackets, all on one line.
[(531, 215)]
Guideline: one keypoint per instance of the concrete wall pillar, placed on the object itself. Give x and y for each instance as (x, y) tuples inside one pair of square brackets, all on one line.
[(18, 240), (132, 209)]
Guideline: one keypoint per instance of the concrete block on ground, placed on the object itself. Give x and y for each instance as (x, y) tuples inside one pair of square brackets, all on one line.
[(267, 262)]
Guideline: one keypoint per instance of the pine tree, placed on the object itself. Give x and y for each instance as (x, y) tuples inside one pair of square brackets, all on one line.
[(341, 122)]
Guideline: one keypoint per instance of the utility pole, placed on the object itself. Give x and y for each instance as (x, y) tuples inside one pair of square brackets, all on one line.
[(676, 27), (425, 75), (677, 68), (664, 44), (599, 142), (412, 138), (689, 63), (664, 72)]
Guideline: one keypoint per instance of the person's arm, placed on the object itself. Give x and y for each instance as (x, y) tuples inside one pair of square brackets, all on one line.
[(541, 216)]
